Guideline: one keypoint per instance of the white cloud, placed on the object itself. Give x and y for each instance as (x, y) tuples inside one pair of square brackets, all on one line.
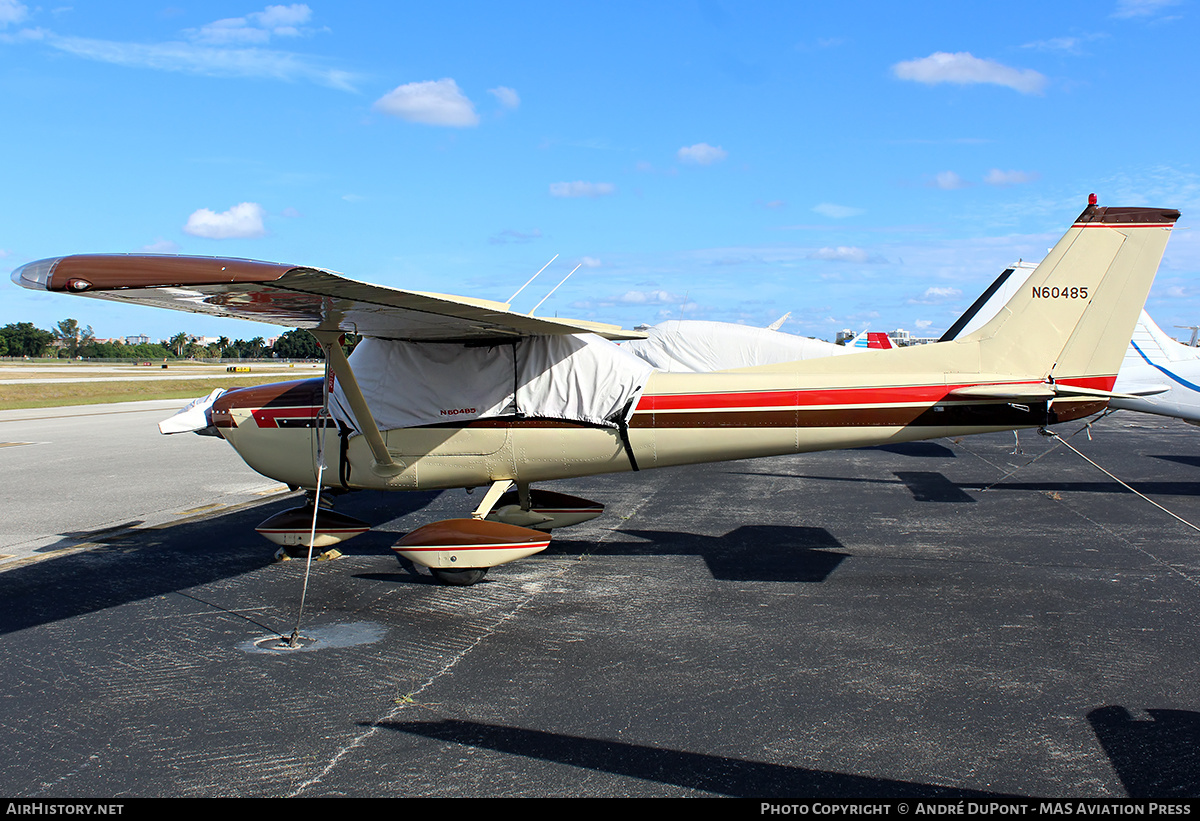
[(508, 97), (244, 220), (963, 68), (230, 30), (1141, 8), (581, 189), (589, 262), (1068, 44), (948, 181), (257, 27), (161, 246), (210, 60), (922, 324), (12, 12), (998, 177), (940, 293), (1065, 45), (828, 209), (282, 18), (225, 48), (936, 296), (845, 253), (433, 102), (512, 235), (702, 154), (649, 298)]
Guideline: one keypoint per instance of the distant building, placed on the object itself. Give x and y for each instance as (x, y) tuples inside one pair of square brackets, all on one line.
[(139, 339), (843, 336)]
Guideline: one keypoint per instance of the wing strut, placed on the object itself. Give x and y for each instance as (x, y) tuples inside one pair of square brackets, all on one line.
[(331, 343)]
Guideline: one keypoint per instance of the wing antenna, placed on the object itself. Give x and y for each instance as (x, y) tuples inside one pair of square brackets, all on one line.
[(531, 279), (556, 287)]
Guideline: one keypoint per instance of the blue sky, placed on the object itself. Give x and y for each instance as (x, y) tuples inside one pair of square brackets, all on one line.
[(860, 165)]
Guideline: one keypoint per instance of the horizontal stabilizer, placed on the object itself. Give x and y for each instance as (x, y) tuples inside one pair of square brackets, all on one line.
[(1040, 392), (1033, 392)]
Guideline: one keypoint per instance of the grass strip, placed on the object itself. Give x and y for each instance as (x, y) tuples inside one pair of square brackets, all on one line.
[(13, 397)]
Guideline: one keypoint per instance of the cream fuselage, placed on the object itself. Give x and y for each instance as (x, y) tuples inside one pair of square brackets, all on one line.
[(680, 419)]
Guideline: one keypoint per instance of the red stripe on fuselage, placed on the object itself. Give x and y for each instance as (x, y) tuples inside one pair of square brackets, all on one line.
[(837, 396)]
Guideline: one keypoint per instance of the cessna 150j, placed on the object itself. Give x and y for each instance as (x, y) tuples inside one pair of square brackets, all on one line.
[(447, 392)]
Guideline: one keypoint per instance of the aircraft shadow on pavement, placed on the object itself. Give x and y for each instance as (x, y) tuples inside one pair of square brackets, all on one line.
[(942, 489), (925, 486), (137, 564), (1149, 488), (928, 486), (692, 771), (762, 553), (1190, 461), (101, 536), (927, 450), (1155, 758)]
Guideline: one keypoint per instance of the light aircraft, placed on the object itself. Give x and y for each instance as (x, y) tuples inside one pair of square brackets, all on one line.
[(449, 392), (1158, 375)]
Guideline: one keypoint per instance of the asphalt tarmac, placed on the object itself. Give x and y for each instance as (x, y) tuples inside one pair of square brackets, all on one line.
[(89, 471), (863, 623)]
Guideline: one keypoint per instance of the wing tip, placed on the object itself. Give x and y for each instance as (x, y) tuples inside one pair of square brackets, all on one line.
[(36, 275), (101, 272)]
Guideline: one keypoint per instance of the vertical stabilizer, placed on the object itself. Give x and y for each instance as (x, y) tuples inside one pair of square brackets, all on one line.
[(1061, 324)]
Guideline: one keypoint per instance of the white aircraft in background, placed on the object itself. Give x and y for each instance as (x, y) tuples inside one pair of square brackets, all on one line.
[(1158, 374), (699, 346)]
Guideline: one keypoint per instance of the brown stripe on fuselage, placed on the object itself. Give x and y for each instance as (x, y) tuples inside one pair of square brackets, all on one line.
[(991, 414), (307, 393)]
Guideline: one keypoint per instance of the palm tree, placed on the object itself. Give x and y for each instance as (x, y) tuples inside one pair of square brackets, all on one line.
[(178, 342)]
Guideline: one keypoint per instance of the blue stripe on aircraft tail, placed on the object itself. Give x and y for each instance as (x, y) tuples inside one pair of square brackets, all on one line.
[(1177, 378)]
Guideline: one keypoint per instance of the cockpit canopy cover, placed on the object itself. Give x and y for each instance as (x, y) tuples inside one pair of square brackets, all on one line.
[(580, 378)]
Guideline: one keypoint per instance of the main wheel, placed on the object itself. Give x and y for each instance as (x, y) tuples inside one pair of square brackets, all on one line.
[(459, 578)]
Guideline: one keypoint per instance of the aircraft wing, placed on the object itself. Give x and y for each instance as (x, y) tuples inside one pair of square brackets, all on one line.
[(293, 296)]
